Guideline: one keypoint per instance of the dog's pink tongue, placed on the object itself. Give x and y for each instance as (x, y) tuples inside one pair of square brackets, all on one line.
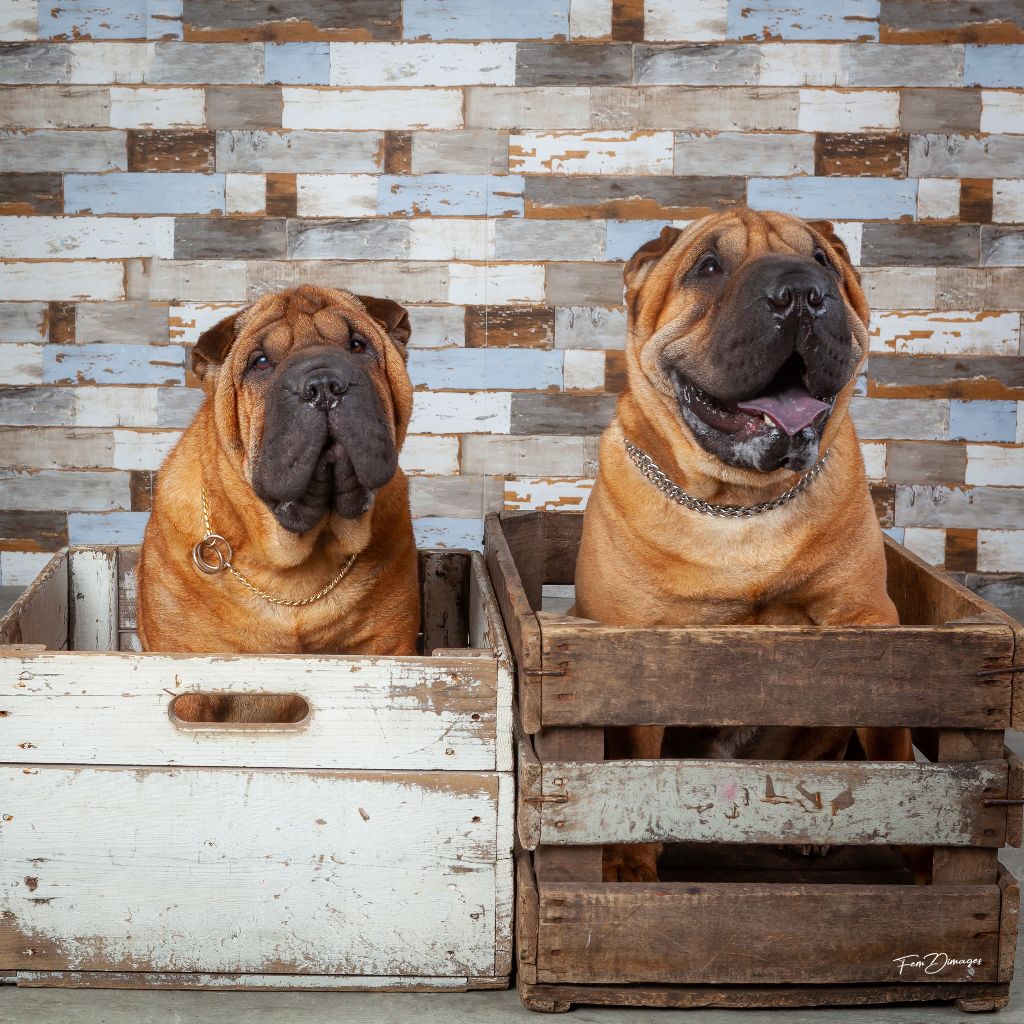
[(791, 410)]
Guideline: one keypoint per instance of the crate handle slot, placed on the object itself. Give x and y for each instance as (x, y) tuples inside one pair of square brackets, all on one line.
[(239, 712), (1001, 671)]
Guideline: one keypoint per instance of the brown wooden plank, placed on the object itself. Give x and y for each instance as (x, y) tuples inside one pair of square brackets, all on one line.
[(562, 863), (529, 776), (562, 534), (515, 326), (444, 582), (527, 906), (513, 599), (953, 866), (796, 802), (182, 150), (559, 998), (750, 934), (924, 595), (1014, 791), (1009, 917), (859, 155), (735, 675)]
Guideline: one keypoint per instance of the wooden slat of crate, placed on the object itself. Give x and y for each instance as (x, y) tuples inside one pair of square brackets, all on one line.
[(514, 552), (840, 803), (924, 594), (40, 615), (93, 599), (229, 870), (82, 708), (559, 998), (205, 982), (732, 675), (732, 933)]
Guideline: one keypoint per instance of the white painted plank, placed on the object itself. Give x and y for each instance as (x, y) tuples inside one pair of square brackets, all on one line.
[(249, 982), (96, 708), (768, 802), (946, 333), (233, 870), (430, 64), (487, 631), (93, 593)]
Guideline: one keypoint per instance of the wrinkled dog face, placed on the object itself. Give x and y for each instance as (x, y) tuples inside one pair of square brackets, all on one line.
[(310, 376), (754, 324)]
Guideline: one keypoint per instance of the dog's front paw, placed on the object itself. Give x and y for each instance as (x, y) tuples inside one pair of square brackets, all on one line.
[(634, 863)]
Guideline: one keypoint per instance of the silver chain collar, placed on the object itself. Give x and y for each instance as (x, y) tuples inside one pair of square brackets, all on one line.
[(675, 493)]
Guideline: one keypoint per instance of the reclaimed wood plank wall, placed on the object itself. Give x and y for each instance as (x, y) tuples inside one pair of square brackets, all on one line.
[(493, 164)]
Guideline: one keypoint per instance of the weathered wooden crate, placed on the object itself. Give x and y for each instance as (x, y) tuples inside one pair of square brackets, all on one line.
[(368, 846), (741, 917)]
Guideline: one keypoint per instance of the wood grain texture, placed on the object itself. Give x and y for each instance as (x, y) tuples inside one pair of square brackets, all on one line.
[(766, 802), (427, 909), (170, 151), (734, 675), (735, 933), (561, 997)]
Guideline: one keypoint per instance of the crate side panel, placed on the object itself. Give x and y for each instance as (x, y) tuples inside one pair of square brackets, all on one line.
[(93, 599), (775, 675), (40, 615), (733, 933), (382, 713), (796, 802), (248, 871)]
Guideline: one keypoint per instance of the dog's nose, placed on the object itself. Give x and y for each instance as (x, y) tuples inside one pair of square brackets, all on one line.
[(323, 389), (794, 292)]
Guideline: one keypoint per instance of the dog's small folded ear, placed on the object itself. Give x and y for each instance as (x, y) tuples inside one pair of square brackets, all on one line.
[(213, 346), (641, 262), (392, 317)]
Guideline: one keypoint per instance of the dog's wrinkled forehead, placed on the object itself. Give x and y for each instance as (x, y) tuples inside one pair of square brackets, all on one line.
[(296, 319)]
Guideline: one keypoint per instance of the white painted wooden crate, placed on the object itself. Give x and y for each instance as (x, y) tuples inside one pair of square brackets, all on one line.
[(367, 847)]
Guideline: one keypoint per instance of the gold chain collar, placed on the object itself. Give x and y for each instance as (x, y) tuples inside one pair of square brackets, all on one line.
[(209, 557)]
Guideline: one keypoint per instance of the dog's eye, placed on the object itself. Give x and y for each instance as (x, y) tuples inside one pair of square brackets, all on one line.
[(820, 257), (357, 343), (709, 266), (259, 361)]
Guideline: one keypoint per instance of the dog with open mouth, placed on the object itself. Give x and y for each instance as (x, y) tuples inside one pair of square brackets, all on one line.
[(731, 487), (281, 520)]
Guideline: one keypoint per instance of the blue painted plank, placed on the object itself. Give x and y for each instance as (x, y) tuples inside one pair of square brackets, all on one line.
[(999, 67), (297, 63), (479, 19), (107, 527), (164, 19), (896, 532), (823, 19), (104, 363), (138, 192), (450, 195), (485, 369), (982, 421), (843, 198), (624, 237), (441, 532), (78, 19)]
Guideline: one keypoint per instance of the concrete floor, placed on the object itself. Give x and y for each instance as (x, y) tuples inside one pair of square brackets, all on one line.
[(54, 1006)]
